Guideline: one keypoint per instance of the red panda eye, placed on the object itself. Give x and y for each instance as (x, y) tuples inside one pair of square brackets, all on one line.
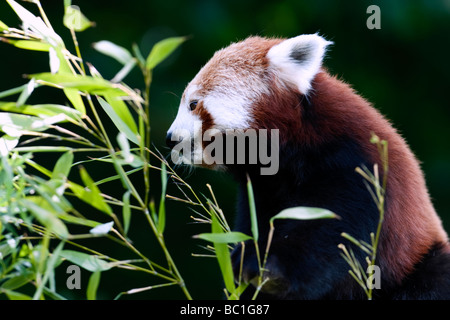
[(193, 105)]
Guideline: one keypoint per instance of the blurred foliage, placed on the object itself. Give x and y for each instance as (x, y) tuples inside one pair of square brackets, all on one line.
[(402, 69)]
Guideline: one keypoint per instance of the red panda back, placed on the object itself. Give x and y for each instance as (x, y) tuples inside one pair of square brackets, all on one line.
[(411, 226)]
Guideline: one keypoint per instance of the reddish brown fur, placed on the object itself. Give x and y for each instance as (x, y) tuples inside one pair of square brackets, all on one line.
[(243, 58), (411, 225), (207, 123), (205, 117)]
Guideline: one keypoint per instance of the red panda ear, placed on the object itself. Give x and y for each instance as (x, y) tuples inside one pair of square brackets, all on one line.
[(297, 60)]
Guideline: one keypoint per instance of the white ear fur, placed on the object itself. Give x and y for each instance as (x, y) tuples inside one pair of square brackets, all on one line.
[(297, 60)]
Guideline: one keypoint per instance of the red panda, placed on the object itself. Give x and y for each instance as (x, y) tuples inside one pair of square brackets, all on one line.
[(324, 134)]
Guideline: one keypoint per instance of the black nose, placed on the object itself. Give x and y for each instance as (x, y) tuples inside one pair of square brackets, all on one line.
[(169, 141)]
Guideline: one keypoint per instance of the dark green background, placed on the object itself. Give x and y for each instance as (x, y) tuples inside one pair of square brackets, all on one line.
[(402, 68)]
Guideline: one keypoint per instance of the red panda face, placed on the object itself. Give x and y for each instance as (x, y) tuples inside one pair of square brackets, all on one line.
[(226, 93)]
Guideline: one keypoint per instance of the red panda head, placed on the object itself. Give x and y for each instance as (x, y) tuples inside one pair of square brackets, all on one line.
[(232, 90)]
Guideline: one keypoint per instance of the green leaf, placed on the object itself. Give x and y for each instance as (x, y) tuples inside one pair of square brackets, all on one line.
[(102, 229), (17, 281), (126, 211), (29, 44), (41, 110), (27, 91), (91, 193), (252, 206), (13, 295), (74, 19), (7, 144), (53, 61), (80, 82), (12, 91), (151, 206), (228, 237), (3, 26), (127, 156), (120, 118), (114, 51), (50, 203), (162, 205), (94, 280), (80, 221), (52, 263), (304, 213), (63, 166), (72, 94), (162, 50), (121, 109), (76, 100), (53, 295), (36, 24), (16, 125), (89, 262), (124, 71), (47, 218), (138, 54), (223, 256)]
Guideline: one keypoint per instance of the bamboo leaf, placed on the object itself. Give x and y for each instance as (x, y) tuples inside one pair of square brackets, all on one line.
[(14, 295), (47, 218), (50, 270), (12, 91), (128, 157), (228, 237), (74, 19), (36, 24), (126, 211), (89, 262), (94, 281), (72, 94), (94, 193), (304, 213), (76, 100), (41, 110), (54, 61), (138, 54), (223, 256), (121, 109), (119, 120), (114, 51), (17, 281), (162, 206), (7, 144), (27, 91), (79, 82), (63, 166), (124, 71), (151, 206), (252, 206), (16, 125), (3, 27), (162, 50), (80, 221), (29, 44), (102, 229), (91, 193)]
